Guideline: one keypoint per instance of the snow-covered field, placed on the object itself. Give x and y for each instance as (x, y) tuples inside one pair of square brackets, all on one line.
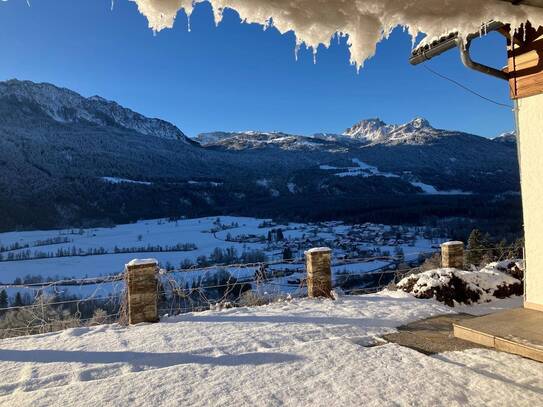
[(294, 353), (241, 233), (143, 233)]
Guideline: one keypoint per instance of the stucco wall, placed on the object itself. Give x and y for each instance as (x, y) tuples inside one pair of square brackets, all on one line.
[(530, 123)]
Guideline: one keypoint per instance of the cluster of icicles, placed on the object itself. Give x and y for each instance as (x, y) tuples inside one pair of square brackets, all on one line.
[(364, 22)]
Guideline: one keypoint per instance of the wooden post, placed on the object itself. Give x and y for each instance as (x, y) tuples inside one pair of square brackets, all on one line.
[(142, 288), (452, 255), (319, 272)]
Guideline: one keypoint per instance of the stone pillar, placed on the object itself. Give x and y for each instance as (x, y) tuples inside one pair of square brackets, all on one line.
[(452, 255), (319, 272), (142, 291)]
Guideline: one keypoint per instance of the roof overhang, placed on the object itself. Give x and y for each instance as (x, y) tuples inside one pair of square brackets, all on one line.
[(428, 51)]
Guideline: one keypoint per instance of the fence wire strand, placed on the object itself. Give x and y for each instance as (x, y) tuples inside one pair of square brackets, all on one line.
[(50, 307)]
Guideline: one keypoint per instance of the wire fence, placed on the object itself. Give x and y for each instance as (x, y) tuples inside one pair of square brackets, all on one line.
[(69, 303)]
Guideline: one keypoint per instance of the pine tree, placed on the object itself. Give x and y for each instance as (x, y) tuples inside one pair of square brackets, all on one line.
[(3, 299), (287, 253), (475, 249), (399, 254), (18, 302)]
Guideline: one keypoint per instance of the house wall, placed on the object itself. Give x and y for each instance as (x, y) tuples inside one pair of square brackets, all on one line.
[(530, 126), (525, 67)]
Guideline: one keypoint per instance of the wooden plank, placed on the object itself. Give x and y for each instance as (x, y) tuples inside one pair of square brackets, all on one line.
[(525, 66), (472, 335), (526, 91), (517, 331), (520, 349), (533, 306), (526, 86), (524, 61)]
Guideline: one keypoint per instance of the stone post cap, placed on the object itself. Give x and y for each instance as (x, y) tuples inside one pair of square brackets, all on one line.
[(453, 243), (317, 250), (140, 263)]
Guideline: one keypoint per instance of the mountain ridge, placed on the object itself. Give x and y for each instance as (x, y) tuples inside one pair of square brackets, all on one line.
[(373, 131), (66, 106), (68, 160)]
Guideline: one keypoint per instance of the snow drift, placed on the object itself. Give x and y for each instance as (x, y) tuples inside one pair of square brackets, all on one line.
[(452, 286), (365, 22)]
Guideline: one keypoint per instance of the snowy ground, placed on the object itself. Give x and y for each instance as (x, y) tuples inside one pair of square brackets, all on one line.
[(139, 234), (303, 352), (160, 232)]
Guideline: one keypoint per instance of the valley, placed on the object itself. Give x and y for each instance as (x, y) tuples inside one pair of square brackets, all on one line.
[(88, 263)]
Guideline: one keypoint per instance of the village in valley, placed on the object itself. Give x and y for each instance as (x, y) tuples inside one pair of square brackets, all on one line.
[(195, 251)]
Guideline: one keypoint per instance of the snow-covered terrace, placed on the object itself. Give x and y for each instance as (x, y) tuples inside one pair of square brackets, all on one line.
[(296, 353)]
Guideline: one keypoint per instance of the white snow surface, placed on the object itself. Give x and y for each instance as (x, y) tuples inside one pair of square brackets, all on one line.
[(141, 262), (365, 22), (293, 353), (365, 170), (431, 190), (116, 180)]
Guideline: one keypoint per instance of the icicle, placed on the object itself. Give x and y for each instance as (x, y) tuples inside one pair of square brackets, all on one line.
[(364, 22), (297, 49)]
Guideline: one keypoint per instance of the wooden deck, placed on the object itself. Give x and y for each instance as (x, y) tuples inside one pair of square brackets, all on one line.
[(518, 331)]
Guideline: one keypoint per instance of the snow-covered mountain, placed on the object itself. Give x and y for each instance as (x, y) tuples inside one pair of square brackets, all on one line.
[(67, 160), (369, 132), (375, 131), (248, 140), (414, 152), (212, 137), (506, 138), (66, 106)]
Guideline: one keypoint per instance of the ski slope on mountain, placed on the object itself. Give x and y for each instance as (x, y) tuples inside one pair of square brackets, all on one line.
[(294, 353)]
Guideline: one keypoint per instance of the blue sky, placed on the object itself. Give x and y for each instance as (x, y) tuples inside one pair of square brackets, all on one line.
[(238, 76)]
